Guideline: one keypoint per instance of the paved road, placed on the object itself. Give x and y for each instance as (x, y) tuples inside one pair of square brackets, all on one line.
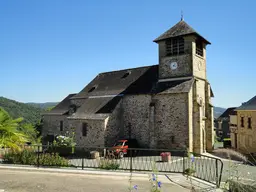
[(31, 181)]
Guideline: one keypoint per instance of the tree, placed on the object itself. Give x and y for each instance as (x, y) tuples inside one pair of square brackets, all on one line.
[(31, 133), (10, 135)]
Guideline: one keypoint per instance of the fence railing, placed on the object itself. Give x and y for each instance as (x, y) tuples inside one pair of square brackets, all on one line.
[(132, 159)]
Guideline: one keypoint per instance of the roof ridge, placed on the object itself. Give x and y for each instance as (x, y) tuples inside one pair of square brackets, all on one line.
[(128, 69)]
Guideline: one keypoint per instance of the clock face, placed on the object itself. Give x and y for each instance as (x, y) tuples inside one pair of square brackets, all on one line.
[(174, 65)]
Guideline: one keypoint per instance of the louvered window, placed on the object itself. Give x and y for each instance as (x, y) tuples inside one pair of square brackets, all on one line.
[(199, 48), (174, 46)]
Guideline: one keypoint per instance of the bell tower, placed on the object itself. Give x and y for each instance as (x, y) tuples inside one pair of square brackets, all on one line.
[(182, 53)]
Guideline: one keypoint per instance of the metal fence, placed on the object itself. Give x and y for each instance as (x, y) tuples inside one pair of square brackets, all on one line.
[(135, 159)]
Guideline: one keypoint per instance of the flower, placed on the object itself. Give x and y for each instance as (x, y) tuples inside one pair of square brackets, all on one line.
[(192, 158), (153, 177), (135, 187), (159, 184)]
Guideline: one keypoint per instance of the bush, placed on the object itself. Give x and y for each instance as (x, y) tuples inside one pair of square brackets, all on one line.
[(28, 157), (109, 165)]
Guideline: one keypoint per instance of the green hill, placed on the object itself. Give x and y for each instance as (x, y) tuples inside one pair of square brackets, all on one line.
[(31, 114), (44, 105)]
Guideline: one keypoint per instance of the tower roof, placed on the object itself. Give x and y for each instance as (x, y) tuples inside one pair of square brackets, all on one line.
[(180, 29)]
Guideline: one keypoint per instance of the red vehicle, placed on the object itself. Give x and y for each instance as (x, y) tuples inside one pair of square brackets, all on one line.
[(121, 147)]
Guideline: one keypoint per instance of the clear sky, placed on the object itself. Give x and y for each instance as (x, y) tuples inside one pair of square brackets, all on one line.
[(49, 49)]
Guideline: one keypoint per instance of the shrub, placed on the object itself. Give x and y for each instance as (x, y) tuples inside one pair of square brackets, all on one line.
[(108, 165), (28, 157)]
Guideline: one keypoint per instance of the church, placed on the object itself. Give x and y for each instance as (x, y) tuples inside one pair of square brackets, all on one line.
[(164, 106)]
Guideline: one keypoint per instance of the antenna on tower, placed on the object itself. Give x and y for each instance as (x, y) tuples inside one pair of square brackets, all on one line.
[(182, 17)]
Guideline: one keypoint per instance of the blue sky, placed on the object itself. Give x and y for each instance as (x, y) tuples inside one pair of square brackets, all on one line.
[(49, 49)]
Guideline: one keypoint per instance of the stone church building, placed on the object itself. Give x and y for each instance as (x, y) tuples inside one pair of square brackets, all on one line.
[(165, 106)]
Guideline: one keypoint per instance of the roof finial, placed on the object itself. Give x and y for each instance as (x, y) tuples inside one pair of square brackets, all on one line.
[(182, 18)]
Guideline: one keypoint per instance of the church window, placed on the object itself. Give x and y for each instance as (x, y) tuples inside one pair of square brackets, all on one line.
[(199, 48), (174, 46), (84, 129), (61, 125), (172, 139)]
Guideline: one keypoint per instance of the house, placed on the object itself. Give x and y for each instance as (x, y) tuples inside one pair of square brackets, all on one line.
[(243, 127), (223, 123), (167, 105)]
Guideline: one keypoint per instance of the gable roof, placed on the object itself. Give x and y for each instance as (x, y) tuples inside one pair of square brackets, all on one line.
[(249, 105), (180, 29), (229, 111), (62, 107)]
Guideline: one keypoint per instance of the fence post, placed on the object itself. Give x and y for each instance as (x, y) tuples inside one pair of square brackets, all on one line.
[(130, 160), (38, 149), (83, 160), (184, 155), (217, 173)]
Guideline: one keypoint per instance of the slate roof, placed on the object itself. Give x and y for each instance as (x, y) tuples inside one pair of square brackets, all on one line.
[(62, 107), (180, 29), (93, 107), (139, 80), (179, 86), (229, 111), (249, 105)]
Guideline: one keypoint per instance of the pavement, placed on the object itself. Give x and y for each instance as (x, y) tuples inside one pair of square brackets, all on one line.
[(30, 179)]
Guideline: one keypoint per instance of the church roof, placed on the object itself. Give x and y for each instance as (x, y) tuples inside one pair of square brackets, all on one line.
[(104, 92), (180, 29), (179, 86), (128, 81), (62, 107), (249, 105), (96, 106)]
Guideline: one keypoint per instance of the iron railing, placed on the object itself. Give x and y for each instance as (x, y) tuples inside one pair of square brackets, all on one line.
[(135, 159)]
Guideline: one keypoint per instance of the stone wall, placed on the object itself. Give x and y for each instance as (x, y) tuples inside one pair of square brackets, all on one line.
[(136, 116), (199, 66), (113, 126), (51, 125), (95, 132), (171, 120), (184, 66)]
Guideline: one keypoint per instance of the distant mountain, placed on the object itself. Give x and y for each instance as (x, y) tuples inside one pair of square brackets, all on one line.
[(43, 105), (218, 111), (29, 113)]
